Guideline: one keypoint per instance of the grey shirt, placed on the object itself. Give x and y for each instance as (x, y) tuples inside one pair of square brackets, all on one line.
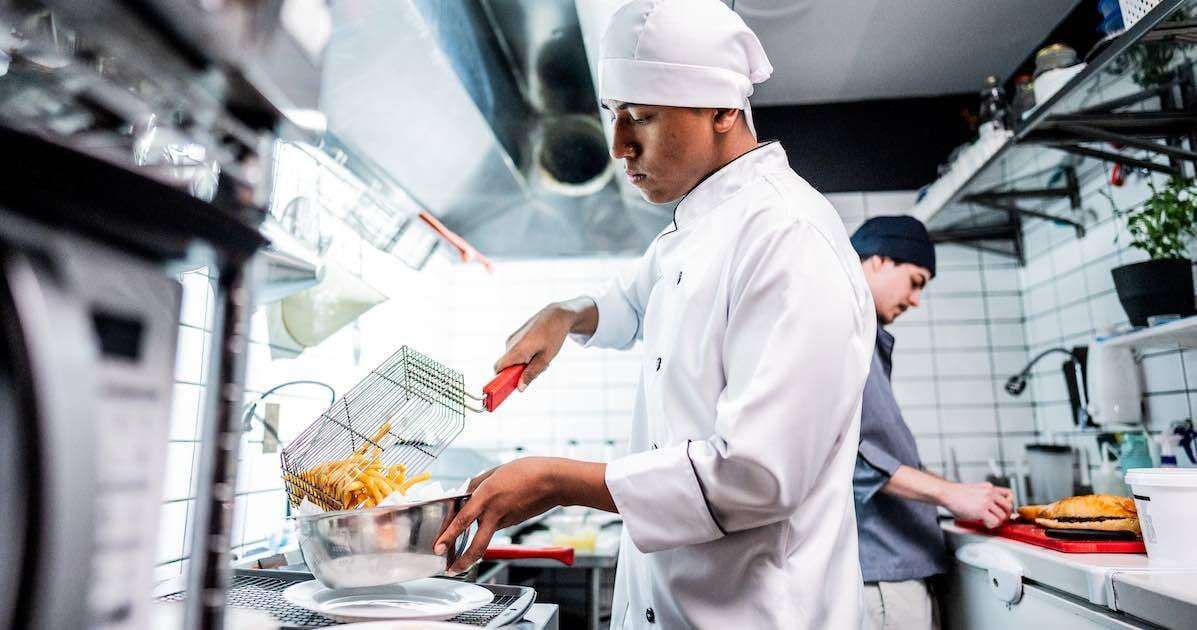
[(899, 539)]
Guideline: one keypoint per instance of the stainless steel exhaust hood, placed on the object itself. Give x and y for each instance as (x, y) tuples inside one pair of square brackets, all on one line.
[(485, 114)]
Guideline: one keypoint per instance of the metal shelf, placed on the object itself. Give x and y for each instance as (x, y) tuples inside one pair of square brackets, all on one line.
[(1181, 333), (1003, 181)]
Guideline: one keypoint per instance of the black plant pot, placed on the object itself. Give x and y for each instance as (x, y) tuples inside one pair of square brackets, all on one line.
[(1155, 287)]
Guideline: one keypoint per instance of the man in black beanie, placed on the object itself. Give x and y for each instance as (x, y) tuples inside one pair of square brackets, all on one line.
[(901, 545)]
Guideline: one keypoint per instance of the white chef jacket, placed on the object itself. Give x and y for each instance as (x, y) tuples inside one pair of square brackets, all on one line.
[(758, 329)]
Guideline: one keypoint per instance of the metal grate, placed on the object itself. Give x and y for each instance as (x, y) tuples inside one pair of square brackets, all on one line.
[(1134, 10), (266, 594), (405, 412)]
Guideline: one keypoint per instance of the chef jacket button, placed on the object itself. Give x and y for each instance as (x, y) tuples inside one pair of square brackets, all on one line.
[(658, 364), (650, 616), (679, 278)]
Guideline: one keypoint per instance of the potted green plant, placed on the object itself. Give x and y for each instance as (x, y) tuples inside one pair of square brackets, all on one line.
[(1161, 227), (1152, 62)]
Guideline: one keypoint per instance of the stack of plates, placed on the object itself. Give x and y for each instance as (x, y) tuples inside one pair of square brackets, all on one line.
[(428, 599), (406, 625)]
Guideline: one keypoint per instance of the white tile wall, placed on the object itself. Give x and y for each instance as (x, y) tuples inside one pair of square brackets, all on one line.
[(953, 353), (182, 448), (1068, 298)]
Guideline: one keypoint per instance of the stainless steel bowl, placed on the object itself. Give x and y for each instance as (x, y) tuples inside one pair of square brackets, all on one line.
[(378, 546)]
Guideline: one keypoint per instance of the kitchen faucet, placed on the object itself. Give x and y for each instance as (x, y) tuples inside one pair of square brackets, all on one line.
[(1075, 378)]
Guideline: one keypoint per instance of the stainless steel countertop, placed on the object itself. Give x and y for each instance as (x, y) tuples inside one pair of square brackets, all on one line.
[(1156, 596), (1127, 583), (540, 617), (587, 561)]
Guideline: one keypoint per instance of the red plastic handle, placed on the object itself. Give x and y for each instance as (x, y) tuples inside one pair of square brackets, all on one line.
[(564, 555), (501, 387), (1117, 175), (464, 249)]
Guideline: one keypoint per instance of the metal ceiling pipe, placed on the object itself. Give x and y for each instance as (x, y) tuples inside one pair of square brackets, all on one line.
[(574, 208), (485, 114), (392, 95), (542, 42), (571, 156)]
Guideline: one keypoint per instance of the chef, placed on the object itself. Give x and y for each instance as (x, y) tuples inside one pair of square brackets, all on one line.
[(901, 545), (757, 328)]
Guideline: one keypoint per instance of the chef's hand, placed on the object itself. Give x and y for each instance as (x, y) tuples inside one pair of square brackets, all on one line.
[(538, 341), (983, 502), (515, 492)]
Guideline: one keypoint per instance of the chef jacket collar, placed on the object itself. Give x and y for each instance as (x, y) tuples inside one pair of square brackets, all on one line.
[(727, 181)]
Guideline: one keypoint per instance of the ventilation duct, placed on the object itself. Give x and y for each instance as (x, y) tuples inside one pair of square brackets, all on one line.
[(485, 114)]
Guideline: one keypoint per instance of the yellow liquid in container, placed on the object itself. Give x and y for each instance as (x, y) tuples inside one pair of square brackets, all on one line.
[(582, 540)]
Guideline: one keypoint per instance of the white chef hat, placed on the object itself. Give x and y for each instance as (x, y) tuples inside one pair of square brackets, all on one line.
[(683, 53)]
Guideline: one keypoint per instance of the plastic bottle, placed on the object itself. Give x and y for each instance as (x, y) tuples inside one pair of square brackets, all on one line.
[(1108, 480), (282, 537), (1167, 452), (1133, 451), (995, 111)]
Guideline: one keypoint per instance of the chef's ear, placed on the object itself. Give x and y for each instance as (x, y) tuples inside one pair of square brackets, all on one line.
[(876, 263), (726, 119)]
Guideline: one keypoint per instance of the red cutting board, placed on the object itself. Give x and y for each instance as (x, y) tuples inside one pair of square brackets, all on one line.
[(1035, 535)]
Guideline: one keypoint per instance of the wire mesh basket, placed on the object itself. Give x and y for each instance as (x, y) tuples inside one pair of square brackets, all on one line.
[(380, 435)]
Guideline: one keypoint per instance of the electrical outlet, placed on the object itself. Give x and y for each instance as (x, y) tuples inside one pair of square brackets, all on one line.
[(270, 435)]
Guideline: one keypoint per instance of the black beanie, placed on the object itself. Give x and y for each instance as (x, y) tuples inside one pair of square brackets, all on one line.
[(902, 238)]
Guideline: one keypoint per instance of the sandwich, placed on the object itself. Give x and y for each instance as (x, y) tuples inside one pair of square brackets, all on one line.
[(1094, 511), (1030, 512)]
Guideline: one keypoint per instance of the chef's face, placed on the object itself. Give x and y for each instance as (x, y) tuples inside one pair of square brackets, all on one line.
[(665, 150), (895, 286)]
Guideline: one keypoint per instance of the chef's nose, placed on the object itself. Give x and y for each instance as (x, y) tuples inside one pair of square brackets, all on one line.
[(622, 144), (915, 297)]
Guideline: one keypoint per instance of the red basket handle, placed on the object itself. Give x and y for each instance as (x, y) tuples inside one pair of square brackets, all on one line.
[(564, 555), (501, 386)]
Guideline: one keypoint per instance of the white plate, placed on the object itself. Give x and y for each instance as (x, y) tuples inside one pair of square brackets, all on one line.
[(406, 625), (426, 599)]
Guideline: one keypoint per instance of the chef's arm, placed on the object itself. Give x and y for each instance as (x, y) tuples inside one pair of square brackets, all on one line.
[(917, 485), (582, 483), (970, 501), (609, 320), (582, 313), (515, 492), (538, 341)]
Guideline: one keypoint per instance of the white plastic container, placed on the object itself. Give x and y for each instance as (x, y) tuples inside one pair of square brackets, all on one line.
[(1050, 82), (1166, 499)]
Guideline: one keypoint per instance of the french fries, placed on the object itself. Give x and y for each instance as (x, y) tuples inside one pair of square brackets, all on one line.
[(359, 480)]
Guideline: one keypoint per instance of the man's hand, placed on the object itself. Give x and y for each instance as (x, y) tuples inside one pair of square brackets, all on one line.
[(538, 341), (983, 502), (515, 492)]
